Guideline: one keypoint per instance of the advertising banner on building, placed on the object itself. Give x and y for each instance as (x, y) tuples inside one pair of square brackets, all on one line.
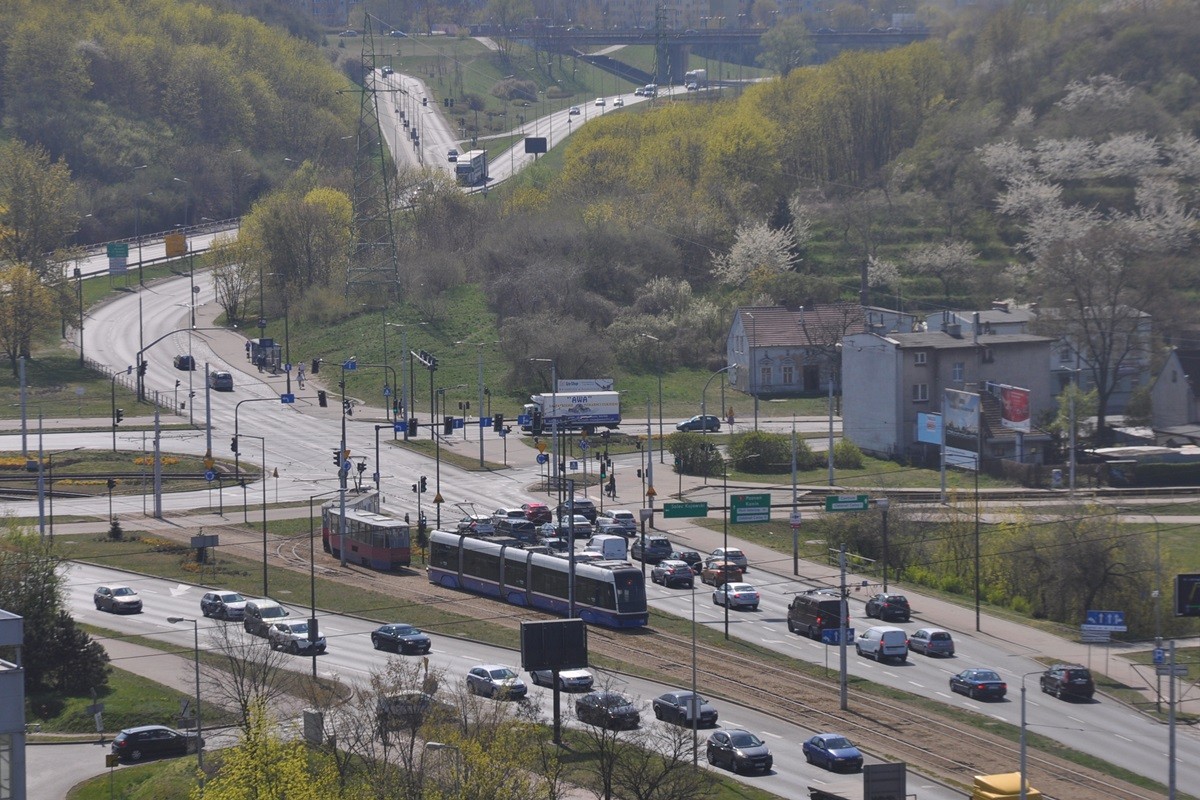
[(929, 428), (960, 416), (1014, 403)]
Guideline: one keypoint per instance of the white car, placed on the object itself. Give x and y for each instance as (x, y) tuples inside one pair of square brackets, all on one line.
[(292, 636), (599, 101), (736, 595), (731, 554), (620, 101), (622, 517), (574, 111)]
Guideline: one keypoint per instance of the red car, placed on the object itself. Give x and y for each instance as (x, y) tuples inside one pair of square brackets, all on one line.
[(537, 513)]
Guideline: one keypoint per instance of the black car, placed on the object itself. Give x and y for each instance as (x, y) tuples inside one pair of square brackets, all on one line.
[(185, 363), (977, 683), (889, 607), (740, 751), (583, 507), (706, 422), (607, 710), (689, 557), (153, 741), (677, 707), (400, 638), (1068, 680)]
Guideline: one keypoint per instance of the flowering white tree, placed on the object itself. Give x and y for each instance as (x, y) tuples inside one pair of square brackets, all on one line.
[(758, 249), (949, 262)]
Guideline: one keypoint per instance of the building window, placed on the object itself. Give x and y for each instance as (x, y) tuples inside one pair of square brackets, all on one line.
[(789, 375), (1064, 354), (956, 371), (988, 356), (764, 376), (919, 359), (920, 393)]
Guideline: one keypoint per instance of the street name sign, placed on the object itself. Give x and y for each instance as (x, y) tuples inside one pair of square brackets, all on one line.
[(681, 510), (847, 502)]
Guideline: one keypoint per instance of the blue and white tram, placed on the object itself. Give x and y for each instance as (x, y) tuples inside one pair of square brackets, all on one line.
[(609, 594)]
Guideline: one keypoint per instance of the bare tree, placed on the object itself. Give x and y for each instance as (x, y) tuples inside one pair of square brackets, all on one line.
[(656, 764), (249, 672)]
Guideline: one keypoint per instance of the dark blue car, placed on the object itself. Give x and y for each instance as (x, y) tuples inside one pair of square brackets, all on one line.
[(833, 752), (706, 422)]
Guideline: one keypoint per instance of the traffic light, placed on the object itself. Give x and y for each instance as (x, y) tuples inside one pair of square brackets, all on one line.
[(498, 423), (316, 366), (414, 488), (447, 426), (233, 444), (142, 368), (423, 484), (347, 408), (362, 467), (322, 398), (120, 416), (412, 426), (535, 424), (337, 457), (603, 471)]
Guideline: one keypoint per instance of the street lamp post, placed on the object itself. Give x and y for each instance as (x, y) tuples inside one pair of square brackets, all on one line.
[(199, 726), (882, 504), (79, 295), (1024, 774), (704, 404), (658, 369), (836, 348), (406, 387), (553, 419)]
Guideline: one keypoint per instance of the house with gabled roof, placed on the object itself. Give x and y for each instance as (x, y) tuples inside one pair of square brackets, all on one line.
[(1175, 399), (788, 352)]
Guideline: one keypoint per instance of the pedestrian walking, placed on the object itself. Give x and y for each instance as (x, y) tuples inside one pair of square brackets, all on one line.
[(612, 486), (729, 416), (300, 375)]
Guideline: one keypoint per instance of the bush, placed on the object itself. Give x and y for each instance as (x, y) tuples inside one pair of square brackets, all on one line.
[(761, 452), (846, 455), (514, 89)]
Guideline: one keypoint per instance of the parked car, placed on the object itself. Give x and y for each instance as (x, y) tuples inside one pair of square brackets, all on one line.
[(889, 607), (583, 505), (260, 615), (739, 750), (185, 363), (223, 605), (291, 636), (977, 683), (607, 710), (400, 637), (153, 741), (496, 680), (834, 752), (670, 573), (706, 422), (569, 680), (622, 517), (537, 513), (117, 600), (931, 642), (656, 549), (689, 557), (220, 381), (477, 525), (736, 595), (883, 642), (732, 554), (1068, 680), (677, 707), (717, 572)]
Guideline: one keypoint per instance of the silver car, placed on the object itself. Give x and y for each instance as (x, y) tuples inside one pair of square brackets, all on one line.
[(931, 642), (496, 680), (292, 636), (569, 680)]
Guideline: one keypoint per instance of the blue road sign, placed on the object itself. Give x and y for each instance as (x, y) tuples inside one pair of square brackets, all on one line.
[(485, 422), (1160, 655), (387, 391), (833, 635), (346, 465), (287, 397), (350, 365), (399, 427), (524, 419), (574, 465), (210, 476), (1104, 621), (542, 458), (287, 367)]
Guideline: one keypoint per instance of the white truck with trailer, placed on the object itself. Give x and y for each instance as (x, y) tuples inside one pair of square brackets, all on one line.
[(572, 411)]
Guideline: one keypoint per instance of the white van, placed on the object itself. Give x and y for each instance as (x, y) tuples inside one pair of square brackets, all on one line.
[(883, 642), (613, 548)]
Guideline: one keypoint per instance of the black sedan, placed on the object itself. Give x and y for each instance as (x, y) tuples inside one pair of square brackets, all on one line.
[(153, 741), (977, 683), (607, 710), (677, 707), (705, 422), (893, 607), (740, 751), (400, 638)]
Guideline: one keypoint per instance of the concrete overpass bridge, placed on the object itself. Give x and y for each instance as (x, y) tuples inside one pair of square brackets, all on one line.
[(737, 45)]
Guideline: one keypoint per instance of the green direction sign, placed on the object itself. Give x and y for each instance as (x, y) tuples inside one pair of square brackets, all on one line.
[(678, 510), (847, 502), (118, 250), (750, 508)]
